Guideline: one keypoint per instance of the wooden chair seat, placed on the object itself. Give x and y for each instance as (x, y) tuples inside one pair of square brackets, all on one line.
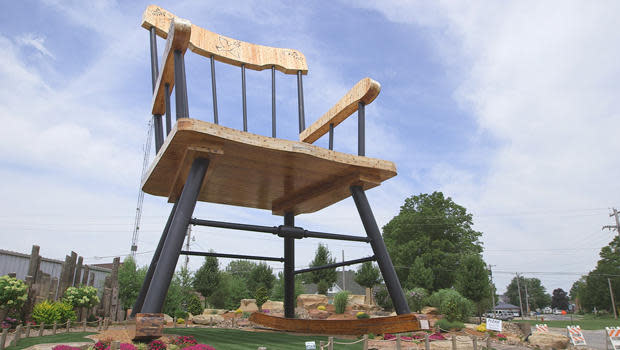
[(256, 171)]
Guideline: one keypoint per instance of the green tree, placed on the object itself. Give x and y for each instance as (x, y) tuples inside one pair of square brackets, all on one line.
[(420, 275), (538, 297), (130, 279), (473, 282), (368, 275), (436, 229), (261, 276), (322, 257), (278, 288), (595, 293), (207, 278), (174, 297), (577, 292), (186, 282), (559, 299), (240, 268)]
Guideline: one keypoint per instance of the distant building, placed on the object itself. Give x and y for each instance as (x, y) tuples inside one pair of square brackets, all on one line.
[(349, 285), (503, 306)]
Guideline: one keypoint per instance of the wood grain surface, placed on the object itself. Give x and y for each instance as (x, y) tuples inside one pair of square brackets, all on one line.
[(378, 325), (256, 171), (228, 50), (366, 90)]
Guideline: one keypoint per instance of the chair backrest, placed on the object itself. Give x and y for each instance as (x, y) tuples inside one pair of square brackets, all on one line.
[(228, 50)]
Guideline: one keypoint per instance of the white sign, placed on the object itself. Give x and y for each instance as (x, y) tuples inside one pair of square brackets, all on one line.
[(494, 325), (424, 324), (310, 345)]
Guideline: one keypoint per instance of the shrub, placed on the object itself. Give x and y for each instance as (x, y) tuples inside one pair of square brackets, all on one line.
[(199, 347), (180, 314), (85, 296), (261, 295), (501, 336), (361, 315), (446, 325), (65, 347), (452, 304), (382, 297), (194, 306), (322, 287), (48, 313), (416, 298), (180, 320), (340, 301), (13, 293), (101, 345), (482, 327), (127, 346), (321, 307)]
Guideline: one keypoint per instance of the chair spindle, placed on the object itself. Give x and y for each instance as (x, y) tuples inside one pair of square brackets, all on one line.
[(300, 102), (182, 110), (213, 91), (157, 124)]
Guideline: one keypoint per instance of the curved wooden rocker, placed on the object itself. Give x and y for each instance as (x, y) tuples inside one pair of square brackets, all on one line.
[(198, 160), (378, 325)]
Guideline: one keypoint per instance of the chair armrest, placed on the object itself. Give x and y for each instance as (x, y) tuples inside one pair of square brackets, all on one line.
[(366, 90)]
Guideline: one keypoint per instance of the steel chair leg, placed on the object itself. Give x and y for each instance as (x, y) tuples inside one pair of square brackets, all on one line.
[(164, 270), (378, 247)]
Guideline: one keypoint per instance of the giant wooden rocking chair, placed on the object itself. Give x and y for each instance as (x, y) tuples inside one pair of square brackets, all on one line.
[(203, 161)]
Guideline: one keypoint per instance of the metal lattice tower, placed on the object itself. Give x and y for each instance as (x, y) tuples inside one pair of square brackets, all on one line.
[(145, 162)]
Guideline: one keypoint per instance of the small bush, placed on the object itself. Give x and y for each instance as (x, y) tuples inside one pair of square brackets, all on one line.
[(261, 295), (184, 340), (13, 293), (452, 304), (199, 347), (446, 325), (180, 314), (85, 296), (382, 297), (361, 315), (180, 320), (321, 307), (48, 313), (340, 301), (65, 347), (127, 346), (322, 287), (482, 327), (416, 298), (194, 306)]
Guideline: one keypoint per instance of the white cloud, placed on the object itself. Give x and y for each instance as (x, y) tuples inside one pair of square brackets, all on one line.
[(35, 41), (542, 80)]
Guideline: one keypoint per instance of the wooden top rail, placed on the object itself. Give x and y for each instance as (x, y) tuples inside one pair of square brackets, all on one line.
[(366, 90), (178, 39), (228, 50)]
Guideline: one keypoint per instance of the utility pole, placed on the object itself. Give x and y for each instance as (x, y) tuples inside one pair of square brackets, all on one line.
[(189, 235), (527, 299), (616, 227), (519, 289), (611, 293), (492, 289)]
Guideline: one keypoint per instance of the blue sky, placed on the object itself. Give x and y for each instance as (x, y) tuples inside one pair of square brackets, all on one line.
[(509, 108)]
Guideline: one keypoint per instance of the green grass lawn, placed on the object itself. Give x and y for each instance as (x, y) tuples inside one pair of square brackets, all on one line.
[(232, 339), (58, 338), (589, 323)]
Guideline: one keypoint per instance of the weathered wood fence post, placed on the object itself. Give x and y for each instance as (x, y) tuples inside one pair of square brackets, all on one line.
[(474, 340), (427, 344), (398, 344), (453, 342), (365, 342), (488, 343), (17, 334), (84, 326), (115, 345), (54, 328), (41, 329)]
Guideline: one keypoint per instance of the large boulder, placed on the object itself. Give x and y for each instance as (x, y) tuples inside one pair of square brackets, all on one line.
[(429, 310), (311, 301), (548, 341), (208, 319), (168, 319), (355, 299), (273, 306), (248, 305)]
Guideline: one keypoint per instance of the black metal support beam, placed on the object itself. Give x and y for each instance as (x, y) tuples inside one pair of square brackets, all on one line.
[(168, 113), (137, 306), (300, 102), (214, 91), (289, 269), (244, 100), (273, 101), (180, 86), (331, 266), (331, 136), (159, 132), (361, 129), (154, 63), (282, 231), (174, 241), (232, 256), (378, 247)]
